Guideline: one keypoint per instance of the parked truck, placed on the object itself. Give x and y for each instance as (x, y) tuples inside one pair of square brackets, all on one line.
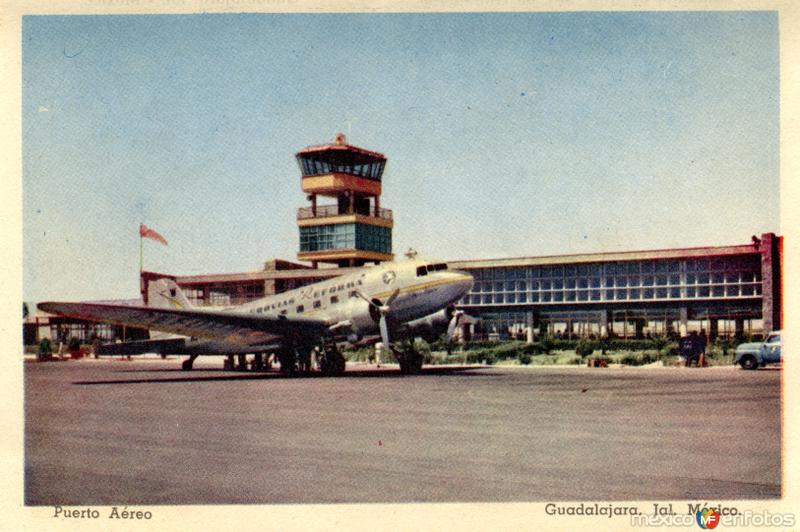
[(751, 355)]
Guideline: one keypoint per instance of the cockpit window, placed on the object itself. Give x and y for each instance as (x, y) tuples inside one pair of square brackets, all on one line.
[(423, 270)]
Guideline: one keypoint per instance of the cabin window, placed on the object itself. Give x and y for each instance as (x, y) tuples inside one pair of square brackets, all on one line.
[(300, 309), (424, 270), (283, 312), (317, 303), (334, 300)]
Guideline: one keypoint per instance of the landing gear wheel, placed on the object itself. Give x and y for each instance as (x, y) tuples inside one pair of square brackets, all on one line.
[(288, 362), (332, 364), (410, 362), (415, 364), (186, 365)]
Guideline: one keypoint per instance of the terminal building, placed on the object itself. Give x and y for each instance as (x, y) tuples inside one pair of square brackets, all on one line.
[(725, 290), (731, 290)]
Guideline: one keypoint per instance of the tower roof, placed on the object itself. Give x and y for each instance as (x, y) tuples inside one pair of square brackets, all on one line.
[(340, 149)]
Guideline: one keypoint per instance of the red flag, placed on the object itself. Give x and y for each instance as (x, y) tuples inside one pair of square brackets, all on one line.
[(146, 232)]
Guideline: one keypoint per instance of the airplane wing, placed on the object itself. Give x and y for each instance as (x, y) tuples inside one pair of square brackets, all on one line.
[(235, 327)]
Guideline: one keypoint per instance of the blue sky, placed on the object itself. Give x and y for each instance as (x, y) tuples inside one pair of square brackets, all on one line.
[(506, 134)]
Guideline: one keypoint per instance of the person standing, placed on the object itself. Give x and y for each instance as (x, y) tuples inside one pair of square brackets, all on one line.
[(687, 347), (701, 348)]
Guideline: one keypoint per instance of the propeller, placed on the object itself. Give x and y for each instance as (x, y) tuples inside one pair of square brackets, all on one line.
[(382, 309), (451, 329)]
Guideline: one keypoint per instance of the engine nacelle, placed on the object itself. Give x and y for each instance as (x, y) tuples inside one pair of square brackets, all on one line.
[(432, 326), (360, 314)]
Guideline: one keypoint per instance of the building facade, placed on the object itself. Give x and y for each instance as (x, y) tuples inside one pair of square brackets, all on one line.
[(726, 290)]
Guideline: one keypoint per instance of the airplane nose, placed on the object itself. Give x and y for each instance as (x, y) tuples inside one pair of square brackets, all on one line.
[(464, 281)]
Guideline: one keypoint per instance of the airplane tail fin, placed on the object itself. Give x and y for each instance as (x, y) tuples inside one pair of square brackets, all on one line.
[(165, 293)]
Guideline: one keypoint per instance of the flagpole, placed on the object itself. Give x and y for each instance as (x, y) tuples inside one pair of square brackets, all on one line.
[(141, 251)]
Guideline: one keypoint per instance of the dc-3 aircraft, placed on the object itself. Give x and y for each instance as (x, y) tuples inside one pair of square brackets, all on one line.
[(390, 301)]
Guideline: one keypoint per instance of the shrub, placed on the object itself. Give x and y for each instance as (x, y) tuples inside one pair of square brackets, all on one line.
[(440, 344), (633, 358), (532, 349), (476, 345), (524, 358), (649, 357), (45, 348), (671, 350), (546, 343), (584, 348), (475, 356), (724, 345), (507, 350), (604, 358)]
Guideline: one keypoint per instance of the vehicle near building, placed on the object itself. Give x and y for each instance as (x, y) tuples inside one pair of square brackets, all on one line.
[(751, 355)]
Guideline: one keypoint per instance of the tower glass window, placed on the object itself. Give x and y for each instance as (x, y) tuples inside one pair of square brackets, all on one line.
[(345, 236)]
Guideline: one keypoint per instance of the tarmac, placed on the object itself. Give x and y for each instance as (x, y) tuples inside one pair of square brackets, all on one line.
[(108, 432)]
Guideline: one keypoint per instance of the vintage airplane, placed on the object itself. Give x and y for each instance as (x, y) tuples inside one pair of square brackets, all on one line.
[(393, 300)]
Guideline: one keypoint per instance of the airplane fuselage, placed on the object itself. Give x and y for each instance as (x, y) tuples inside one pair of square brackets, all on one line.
[(422, 287)]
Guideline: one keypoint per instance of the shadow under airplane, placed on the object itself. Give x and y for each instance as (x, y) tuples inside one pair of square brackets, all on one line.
[(387, 373)]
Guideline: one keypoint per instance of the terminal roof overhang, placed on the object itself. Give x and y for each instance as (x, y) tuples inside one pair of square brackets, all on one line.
[(681, 253), (261, 275)]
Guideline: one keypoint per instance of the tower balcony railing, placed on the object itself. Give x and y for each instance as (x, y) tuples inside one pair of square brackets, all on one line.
[(325, 211)]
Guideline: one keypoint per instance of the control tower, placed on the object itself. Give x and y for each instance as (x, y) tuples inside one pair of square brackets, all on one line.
[(353, 229)]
